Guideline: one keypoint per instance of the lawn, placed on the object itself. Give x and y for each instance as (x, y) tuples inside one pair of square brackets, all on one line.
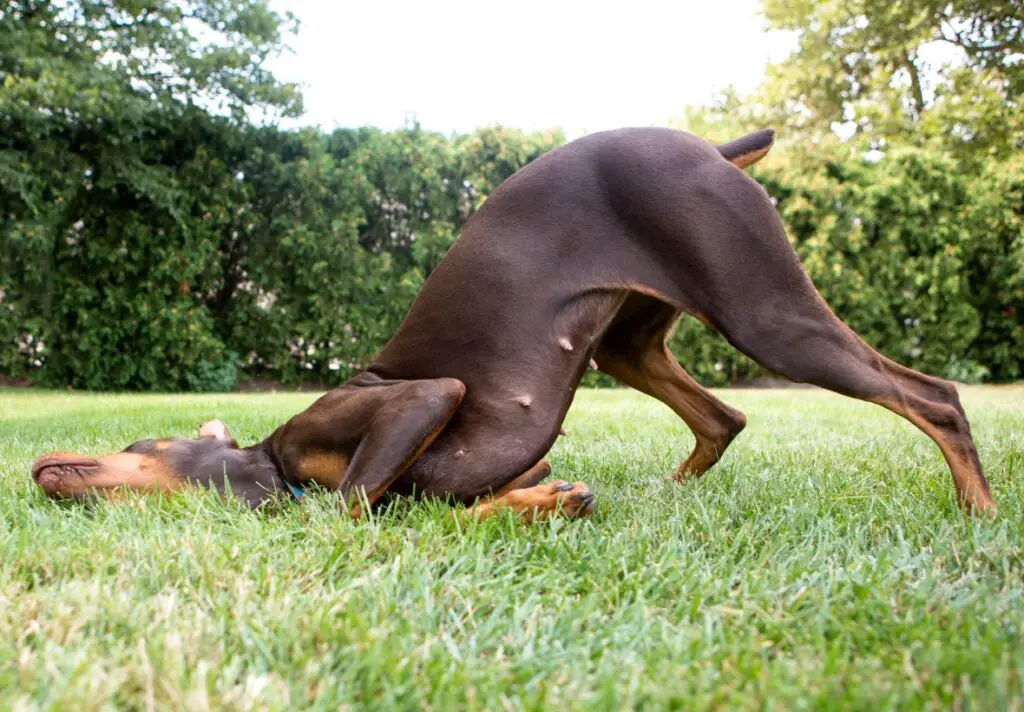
[(822, 563)]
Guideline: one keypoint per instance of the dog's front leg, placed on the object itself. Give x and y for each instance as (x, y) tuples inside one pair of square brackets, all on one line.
[(402, 428), (538, 502)]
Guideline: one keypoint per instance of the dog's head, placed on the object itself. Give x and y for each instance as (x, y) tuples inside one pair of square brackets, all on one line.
[(164, 465)]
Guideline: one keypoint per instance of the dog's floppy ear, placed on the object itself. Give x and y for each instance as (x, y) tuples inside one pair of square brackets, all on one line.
[(748, 150)]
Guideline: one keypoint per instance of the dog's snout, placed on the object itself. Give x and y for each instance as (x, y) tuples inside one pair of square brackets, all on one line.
[(49, 471), (62, 461)]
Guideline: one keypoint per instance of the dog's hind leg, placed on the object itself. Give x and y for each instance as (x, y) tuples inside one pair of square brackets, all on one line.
[(825, 352), (633, 351), (766, 306), (658, 374), (530, 478)]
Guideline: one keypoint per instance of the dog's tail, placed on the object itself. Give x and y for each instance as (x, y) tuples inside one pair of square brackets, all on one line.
[(748, 150)]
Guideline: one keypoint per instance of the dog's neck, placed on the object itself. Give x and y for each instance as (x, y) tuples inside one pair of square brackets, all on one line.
[(261, 461), (264, 458), (252, 473)]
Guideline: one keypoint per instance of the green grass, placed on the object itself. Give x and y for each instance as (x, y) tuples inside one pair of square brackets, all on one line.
[(822, 563)]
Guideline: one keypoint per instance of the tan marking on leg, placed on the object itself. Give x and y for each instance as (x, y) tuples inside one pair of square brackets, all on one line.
[(972, 490), (530, 478), (714, 424), (540, 502)]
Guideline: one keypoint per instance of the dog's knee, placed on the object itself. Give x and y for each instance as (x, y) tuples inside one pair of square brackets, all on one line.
[(450, 391)]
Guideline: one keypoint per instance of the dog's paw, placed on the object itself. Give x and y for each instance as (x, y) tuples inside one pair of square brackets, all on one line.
[(571, 499)]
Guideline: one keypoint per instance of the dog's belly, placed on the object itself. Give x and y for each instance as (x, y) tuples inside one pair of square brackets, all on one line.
[(487, 444), (520, 379)]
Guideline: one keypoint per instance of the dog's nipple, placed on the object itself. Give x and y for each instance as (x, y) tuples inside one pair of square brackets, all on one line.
[(524, 401), (565, 344), (460, 452)]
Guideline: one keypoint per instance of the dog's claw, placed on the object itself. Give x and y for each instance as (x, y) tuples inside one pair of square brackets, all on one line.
[(580, 504), (586, 503), (573, 499)]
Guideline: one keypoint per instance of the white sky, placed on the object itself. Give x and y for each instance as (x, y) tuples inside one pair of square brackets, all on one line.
[(584, 66)]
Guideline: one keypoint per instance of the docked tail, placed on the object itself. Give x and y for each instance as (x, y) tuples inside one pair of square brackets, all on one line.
[(748, 150)]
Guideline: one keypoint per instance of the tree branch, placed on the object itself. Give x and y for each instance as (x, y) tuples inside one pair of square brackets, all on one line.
[(915, 85)]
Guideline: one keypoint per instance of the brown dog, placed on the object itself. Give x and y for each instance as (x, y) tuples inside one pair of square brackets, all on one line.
[(593, 251)]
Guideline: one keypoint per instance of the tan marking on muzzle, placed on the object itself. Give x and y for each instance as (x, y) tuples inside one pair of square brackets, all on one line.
[(63, 474)]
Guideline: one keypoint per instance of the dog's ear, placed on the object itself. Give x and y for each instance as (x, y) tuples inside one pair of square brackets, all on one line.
[(748, 150)]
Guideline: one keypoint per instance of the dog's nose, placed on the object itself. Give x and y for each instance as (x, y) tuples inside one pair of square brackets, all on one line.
[(49, 470)]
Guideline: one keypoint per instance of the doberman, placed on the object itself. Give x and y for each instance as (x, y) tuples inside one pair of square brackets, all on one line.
[(587, 256)]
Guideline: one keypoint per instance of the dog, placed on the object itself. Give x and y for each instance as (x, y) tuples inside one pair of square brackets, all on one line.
[(586, 257)]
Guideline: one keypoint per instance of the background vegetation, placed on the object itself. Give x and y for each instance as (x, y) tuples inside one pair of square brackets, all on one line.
[(159, 231)]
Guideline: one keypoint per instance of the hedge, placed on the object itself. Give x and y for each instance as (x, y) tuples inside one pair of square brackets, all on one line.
[(221, 253)]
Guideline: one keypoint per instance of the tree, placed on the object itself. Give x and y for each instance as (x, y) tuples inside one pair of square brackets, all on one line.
[(102, 104), (898, 176), (902, 70)]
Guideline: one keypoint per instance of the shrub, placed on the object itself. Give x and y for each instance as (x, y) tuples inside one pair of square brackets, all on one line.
[(223, 251)]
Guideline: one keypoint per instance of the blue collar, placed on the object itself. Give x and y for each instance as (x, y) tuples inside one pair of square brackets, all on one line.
[(296, 490)]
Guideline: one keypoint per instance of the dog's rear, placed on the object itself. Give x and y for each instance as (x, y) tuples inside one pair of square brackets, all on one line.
[(724, 256), (601, 245)]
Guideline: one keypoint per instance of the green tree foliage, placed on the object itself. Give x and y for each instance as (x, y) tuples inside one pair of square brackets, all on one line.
[(290, 255), (897, 175), (925, 262), (904, 70), (347, 228), (154, 236), (106, 113)]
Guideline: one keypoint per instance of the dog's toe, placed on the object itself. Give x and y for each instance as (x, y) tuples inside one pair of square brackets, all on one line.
[(588, 503), (577, 500)]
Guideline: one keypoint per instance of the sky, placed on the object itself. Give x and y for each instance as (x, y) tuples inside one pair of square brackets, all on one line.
[(456, 65)]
